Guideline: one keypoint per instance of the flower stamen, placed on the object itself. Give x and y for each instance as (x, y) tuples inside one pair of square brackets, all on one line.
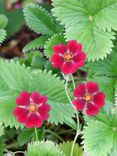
[(68, 56), (88, 97), (32, 108)]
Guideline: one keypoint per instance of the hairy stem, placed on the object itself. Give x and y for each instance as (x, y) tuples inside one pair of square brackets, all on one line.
[(76, 112)]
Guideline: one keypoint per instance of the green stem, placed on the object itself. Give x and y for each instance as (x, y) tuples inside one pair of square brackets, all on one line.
[(76, 112), (36, 134), (54, 134), (74, 86), (73, 145)]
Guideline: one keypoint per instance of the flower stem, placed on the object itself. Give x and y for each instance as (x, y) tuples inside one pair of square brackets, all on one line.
[(36, 134), (76, 112)]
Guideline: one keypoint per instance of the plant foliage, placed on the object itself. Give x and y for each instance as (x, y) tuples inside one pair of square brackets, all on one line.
[(23, 79), (44, 148), (39, 20), (89, 22)]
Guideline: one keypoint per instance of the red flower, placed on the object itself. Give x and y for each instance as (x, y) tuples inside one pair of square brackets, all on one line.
[(68, 58), (89, 97), (32, 110)]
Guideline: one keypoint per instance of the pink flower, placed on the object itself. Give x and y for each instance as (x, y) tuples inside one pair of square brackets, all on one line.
[(32, 109), (89, 97), (68, 58)]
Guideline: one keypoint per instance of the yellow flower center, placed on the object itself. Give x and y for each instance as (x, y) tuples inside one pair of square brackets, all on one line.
[(88, 97), (68, 56), (32, 108)]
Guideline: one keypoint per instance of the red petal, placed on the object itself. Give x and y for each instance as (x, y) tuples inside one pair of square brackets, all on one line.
[(80, 91), (73, 46), (99, 99), (43, 111), (92, 87), (81, 57), (34, 120), (60, 48), (79, 104), (24, 99), (21, 114), (79, 49), (92, 110), (37, 98), (68, 68), (57, 60)]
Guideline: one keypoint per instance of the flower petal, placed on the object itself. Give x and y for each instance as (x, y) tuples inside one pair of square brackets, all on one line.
[(72, 46), (60, 48), (57, 60), (24, 99), (92, 87), (79, 49), (68, 68), (79, 104), (37, 98), (92, 109), (21, 114), (43, 111), (80, 91), (34, 120), (81, 57), (99, 99)]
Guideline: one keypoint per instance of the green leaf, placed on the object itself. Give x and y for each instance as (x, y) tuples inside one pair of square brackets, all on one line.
[(107, 85), (44, 148), (1, 147), (3, 21), (38, 61), (103, 14), (54, 40), (2, 35), (114, 149), (107, 67), (62, 113), (98, 138), (25, 136), (39, 20), (1, 130), (15, 78), (86, 21), (66, 148), (15, 21), (35, 44), (98, 43)]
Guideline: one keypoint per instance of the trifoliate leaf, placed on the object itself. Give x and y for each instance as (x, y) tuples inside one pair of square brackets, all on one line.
[(86, 21), (35, 44), (66, 148), (3, 21), (98, 138), (38, 19), (2, 35), (44, 148), (54, 40)]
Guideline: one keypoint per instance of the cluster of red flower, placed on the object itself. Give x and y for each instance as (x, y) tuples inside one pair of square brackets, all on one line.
[(33, 109)]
